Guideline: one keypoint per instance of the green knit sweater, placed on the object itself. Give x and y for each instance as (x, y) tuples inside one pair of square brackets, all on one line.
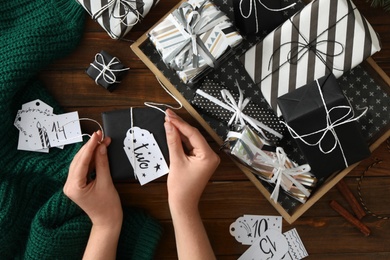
[(37, 221)]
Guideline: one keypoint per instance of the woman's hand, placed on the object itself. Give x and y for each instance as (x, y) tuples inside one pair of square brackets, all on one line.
[(191, 166), (90, 185)]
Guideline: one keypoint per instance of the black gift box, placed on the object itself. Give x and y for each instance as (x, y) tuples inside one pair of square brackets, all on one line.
[(252, 17), (305, 113), (117, 123), (106, 70)]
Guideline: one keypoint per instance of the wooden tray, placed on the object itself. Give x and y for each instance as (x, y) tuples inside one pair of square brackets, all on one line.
[(375, 72)]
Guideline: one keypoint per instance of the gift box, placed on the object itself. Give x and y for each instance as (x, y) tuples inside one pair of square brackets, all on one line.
[(270, 164), (138, 146), (231, 108), (117, 17), (106, 70), (322, 121), (326, 36), (194, 38), (259, 16)]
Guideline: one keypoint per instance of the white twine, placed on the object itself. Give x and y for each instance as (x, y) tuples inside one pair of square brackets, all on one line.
[(84, 134), (237, 109), (330, 127), (156, 105), (253, 7), (106, 72)]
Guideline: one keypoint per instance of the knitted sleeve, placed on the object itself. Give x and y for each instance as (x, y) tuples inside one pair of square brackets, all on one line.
[(60, 230)]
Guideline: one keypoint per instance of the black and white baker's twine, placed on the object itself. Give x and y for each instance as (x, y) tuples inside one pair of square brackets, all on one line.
[(362, 202)]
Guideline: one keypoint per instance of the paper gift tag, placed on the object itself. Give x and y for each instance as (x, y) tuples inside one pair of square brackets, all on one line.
[(24, 122), (57, 130), (144, 155), (40, 129), (248, 228), (296, 249), (272, 245)]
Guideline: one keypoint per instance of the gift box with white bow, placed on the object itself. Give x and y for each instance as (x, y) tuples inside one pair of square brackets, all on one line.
[(270, 164), (194, 38), (325, 126)]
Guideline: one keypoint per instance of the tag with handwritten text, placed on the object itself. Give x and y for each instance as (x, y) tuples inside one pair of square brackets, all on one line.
[(247, 228), (40, 129), (271, 245), (144, 155)]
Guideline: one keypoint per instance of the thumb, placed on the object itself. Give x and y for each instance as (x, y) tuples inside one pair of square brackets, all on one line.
[(175, 146), (101, 163)]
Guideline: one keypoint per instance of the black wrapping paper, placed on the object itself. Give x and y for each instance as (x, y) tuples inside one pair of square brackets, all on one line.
[(252, 17), (304, 111), (108, 77), (253, 110), (116, 123)]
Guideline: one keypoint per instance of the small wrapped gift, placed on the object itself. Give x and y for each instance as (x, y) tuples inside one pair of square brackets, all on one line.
[(138, 144), (117, 17), (106, 70), (326, 36), (258, 16), (321, 120), (270, 164), (231, 108), (194, 38)]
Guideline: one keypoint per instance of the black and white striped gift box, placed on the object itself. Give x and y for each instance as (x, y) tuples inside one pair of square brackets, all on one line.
[(325, 36), (117, 17)]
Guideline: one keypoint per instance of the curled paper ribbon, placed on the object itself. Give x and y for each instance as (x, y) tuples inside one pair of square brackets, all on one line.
[(190, 18), (118, 5), (348, 117), (105, 70), (283, 167), (289, 173), (253, 9), (237, 108)]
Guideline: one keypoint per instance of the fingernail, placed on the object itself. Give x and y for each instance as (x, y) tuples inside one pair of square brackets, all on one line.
[(103, 149), (171, 113), (168, 127)]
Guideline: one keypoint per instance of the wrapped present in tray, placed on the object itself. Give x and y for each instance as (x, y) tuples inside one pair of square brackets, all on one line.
[(194, 38), (326, 36), (117, 17), (232, 108), (270, 164), (325, 126)]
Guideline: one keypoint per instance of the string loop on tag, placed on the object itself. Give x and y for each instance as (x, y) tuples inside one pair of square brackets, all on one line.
[(84, 134)]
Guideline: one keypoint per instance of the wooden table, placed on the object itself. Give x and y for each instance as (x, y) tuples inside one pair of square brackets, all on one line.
[(325, 234)]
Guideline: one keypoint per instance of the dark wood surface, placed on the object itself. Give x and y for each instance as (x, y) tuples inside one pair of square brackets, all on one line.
[(325, 234)]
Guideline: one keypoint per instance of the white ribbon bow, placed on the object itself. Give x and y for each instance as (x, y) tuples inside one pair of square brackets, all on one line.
[(348, 117), (282, 171), (105, 70), (253, 7), (237, 109), (283, 167)]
